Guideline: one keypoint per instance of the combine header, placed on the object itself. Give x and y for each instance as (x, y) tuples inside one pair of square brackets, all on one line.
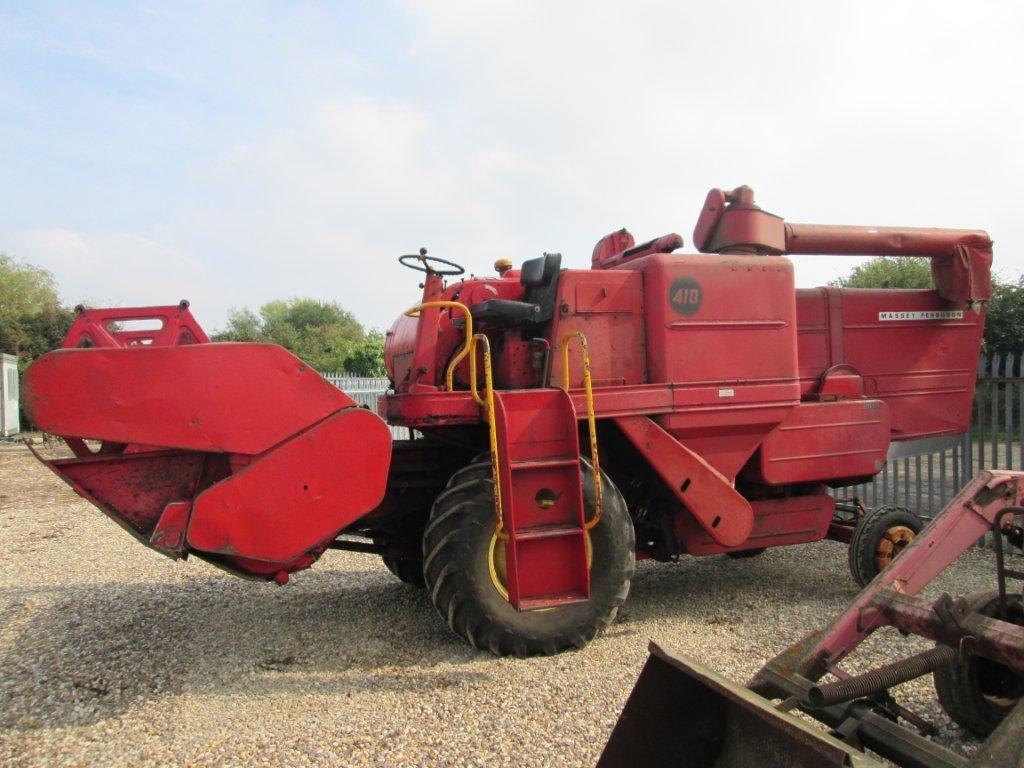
[(716, 404)]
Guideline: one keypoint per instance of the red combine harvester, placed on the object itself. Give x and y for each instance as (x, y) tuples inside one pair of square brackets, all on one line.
[(718, 405)]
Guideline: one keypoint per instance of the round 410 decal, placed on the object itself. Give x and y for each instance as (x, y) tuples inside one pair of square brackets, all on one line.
[(685, 295)]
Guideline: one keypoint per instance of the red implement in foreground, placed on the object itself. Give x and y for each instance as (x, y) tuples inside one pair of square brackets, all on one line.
[(681, 713), (566, 421)]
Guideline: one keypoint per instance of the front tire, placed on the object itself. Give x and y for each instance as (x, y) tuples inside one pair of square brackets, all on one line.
[(460, 572), (878, 538), (978, 693)]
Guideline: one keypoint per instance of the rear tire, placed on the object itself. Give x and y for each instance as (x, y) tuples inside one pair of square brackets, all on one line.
[(457, 569), (408, 571), (975, 692), (878, 538), (411, 571), (479, 468)]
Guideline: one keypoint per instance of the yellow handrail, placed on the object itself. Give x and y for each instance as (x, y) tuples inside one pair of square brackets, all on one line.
[(449, 377), (588, 389), (492, 424), (469, 348)]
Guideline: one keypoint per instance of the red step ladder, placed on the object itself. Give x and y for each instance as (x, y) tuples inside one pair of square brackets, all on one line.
[(541, 514)]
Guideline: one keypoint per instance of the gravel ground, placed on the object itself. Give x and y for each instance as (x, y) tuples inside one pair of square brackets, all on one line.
[(112, 654)]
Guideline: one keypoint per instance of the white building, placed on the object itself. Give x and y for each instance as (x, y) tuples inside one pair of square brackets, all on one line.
[(9, 395)]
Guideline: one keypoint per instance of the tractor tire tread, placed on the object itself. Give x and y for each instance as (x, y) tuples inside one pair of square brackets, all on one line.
[(462, 523), (470, 471), (449, 519), (442, 556), (407, 571), (955, 685)]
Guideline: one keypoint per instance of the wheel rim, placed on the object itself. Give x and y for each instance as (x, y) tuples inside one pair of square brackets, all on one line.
[(891, 543), (498, 569)]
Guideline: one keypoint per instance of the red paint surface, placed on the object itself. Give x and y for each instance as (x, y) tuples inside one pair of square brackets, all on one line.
[(133, 489), (777, 522), (706, 494), (545, 553), (298, 495), (132, 326), (231, 398), (840, 440), (716, 368)]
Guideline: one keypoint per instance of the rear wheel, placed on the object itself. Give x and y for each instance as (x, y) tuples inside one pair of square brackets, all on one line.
[(479, 468), (409, 571), (464, 571), (978, 693), (878, 538)]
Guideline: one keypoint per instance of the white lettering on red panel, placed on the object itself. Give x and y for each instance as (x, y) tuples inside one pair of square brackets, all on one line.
[(953, 314)]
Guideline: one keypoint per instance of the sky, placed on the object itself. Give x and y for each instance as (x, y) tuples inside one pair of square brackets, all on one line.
[(236, 152)]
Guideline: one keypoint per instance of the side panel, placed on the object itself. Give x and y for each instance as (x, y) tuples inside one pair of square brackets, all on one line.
[(608, 307), (821, 442), (298, 495), (915, 351), (133, 489), (777, 522), (721, 330)]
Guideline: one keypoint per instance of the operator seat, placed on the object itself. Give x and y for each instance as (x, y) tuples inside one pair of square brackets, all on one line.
[(540, 276)]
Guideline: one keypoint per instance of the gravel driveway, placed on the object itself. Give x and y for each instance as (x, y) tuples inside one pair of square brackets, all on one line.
[(112, 654)]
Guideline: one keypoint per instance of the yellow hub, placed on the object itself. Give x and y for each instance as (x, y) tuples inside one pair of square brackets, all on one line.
[(892, 542)]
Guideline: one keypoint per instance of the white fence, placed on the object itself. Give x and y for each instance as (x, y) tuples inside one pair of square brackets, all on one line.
[(365, 391), (927, 481)]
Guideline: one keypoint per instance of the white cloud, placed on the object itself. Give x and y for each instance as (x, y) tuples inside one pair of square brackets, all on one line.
[(324, 204), (117, 269), (490, 130)]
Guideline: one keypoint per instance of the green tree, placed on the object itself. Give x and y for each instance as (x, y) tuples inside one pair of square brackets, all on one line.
[(243, 325), (32, 319), (887, 272), (1004, 323), (320, 333), (368, 357)]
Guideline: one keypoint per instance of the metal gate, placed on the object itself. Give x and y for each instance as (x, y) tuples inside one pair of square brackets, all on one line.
[(925, 482), (365, 390)]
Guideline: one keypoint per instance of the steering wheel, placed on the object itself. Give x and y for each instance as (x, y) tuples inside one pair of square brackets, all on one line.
[(423, 263)]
